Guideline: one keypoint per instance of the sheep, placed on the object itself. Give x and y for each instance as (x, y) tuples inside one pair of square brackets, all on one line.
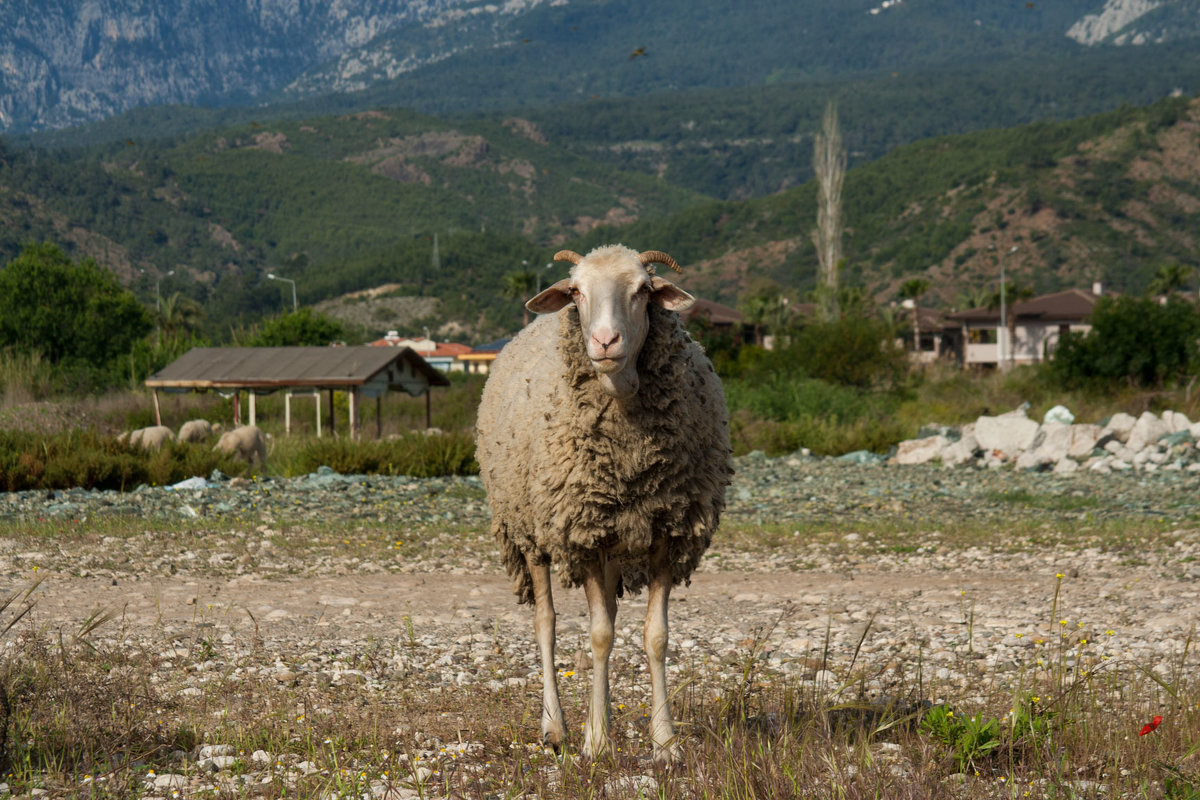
[(150, 439), (247, 442), (603, 445), (195, 430)]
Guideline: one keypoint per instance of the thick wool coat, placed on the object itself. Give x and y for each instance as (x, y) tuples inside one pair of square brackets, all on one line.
[(573, 475)]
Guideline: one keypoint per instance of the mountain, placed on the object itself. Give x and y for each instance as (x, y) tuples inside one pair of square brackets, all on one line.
[(63, 62), (445, 209), (1138, 22), (1108, 198)]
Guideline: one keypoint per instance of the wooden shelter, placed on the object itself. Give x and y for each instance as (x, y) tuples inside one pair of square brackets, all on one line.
[(360, 371)]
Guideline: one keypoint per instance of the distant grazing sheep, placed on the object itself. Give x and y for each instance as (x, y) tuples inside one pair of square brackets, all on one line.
[(150, 439), (603, 443), (246, 442), (195, 430)]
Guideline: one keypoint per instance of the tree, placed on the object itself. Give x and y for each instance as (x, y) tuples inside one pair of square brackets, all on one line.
[(912, 289), (1169, 279), (67, 310), (179, 315), (829, 165), (1134, 340), (303, 327), (520, 286)]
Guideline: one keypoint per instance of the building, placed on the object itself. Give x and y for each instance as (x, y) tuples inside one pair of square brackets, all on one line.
[(441, 355), (1040, 322)]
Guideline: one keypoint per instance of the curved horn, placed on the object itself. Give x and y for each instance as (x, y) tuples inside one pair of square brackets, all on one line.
[(568, 255), (658, 257)]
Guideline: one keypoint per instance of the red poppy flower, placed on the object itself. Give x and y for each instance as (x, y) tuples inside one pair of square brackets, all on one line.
[(1151, 725)]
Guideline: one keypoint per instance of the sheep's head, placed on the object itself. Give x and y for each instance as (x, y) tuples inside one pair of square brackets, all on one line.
[(613, 287)]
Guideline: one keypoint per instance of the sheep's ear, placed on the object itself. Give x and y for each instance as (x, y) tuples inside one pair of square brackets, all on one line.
[(551, 299), (670, 296)]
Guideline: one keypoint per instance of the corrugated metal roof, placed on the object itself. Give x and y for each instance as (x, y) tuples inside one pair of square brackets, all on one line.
[(280, 367)]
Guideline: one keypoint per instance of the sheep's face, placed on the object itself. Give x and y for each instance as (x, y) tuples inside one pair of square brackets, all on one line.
[(612, 290)]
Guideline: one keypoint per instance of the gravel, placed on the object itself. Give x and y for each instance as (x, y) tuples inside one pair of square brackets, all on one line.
[(826, 569)]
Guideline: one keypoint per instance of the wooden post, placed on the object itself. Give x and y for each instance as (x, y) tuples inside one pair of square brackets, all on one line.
[(253, 407), (317, 397), (287, 412), (353, 414), (237, 409), (332, 416), (157, 411)]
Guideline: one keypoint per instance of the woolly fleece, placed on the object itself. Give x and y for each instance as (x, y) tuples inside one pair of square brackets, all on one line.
[(572, 475)]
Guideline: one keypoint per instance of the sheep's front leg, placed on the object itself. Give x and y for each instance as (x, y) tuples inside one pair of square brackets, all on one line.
[(553, 727), (600, 587), (662, 727)]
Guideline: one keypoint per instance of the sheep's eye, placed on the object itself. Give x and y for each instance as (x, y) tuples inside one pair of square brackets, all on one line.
[(575, 293)]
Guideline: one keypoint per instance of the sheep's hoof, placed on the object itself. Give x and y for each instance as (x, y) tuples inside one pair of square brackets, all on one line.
[(553, 735), (667, 755)]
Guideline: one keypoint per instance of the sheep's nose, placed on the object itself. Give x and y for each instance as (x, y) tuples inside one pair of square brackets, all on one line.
[(606, 339)]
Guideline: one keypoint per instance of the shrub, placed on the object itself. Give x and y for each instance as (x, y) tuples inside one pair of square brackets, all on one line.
[(1133, 340), (416, 454)]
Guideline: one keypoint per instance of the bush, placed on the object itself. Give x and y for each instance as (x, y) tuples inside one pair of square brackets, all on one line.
[(416, 454), (92, 461), (1133, 340), (851, 351)]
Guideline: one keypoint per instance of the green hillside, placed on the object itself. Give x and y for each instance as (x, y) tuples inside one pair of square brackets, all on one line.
[(1110, 197), (343, 203)]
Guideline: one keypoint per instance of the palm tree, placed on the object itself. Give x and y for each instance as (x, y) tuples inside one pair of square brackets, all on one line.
[(912, 289), (519, 286), (974, 298), (1168, 279), (179, 315), (1013, 294)]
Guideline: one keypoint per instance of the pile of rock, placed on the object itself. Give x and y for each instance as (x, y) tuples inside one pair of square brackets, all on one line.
[(1122, 442)]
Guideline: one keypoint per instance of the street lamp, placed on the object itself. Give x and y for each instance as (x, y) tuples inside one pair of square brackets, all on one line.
[(1003, 315), (275, 277), (539, 276)]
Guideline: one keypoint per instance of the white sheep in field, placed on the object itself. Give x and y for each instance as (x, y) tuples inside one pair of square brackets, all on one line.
[(150, 439), (195, 430), (603, 443), (246, 442)]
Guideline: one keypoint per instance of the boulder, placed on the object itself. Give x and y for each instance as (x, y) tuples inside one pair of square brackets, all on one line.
[(1007, 434), (1053, 442), (1119, 425), (1060, 415), (962, 451), (921, 451), (1084, 439), (1176, 421), (1148, 429)]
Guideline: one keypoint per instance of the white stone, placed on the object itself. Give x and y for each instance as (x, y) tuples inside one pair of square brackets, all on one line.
[(1009, 435), (1083, 440), (1120, 424), (1148, 429), (169, 780), (921, 451), (1031, 460), (1060, 415), (1066, 466), (1176, 421), (962, 451)]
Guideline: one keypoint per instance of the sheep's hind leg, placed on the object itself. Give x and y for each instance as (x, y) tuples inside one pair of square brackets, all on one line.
[(662, 727), (600, 587), (553, 727)]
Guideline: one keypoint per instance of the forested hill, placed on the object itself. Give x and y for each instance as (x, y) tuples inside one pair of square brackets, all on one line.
[(446, 210), (1107, 198)]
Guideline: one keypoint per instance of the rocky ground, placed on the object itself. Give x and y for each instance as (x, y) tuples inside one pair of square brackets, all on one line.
[(826, 570)]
